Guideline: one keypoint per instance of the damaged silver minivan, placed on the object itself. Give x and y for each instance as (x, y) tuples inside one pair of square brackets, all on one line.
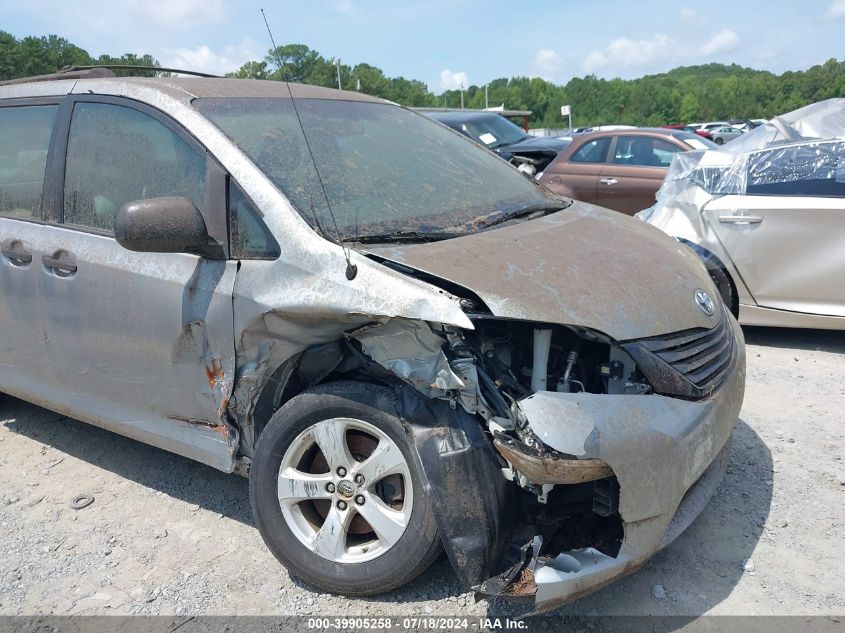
[(404, 342)]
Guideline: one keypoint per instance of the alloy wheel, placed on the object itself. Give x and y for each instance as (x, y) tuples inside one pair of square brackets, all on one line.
[(345, 490)]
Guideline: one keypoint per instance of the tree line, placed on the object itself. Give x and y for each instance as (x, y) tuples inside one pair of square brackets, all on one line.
[(682, 95), (31, 55)]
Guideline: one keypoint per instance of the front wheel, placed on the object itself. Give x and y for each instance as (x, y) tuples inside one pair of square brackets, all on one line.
[(337, 494), (719, 141), (726, 289)]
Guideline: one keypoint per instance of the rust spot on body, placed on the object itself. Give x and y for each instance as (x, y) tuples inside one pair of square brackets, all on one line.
[(215, 374), (524, 585), (217, 381)]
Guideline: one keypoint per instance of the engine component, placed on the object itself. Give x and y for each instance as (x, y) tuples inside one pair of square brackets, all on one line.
[(540, 369)]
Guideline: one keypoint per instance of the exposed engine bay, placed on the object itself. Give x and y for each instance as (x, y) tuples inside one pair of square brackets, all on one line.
[(532, 163), (566, 503)]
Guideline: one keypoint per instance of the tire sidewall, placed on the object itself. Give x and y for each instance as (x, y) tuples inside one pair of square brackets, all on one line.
[(361, 401), (726, 291)]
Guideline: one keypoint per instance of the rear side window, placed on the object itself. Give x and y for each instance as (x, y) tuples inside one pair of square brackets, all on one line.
[(816, 169), (249, 237), (644, 151), (24, 140), (117, 155), (592, 152)]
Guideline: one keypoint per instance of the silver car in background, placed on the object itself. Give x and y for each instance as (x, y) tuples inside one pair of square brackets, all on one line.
[(766, 214), (406, 344), (724, 134)]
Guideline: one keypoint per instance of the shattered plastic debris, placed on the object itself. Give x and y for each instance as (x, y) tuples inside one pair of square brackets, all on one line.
[(412, 351)]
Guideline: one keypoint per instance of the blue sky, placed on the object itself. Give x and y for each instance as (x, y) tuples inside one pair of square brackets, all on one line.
[(448, 42)]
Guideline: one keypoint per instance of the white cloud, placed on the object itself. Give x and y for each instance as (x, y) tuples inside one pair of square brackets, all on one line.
[(626, 53), (204, 59), (836, 9), (624, 57), (453, 81), (689, 15), (547, 63), (722, 42), (178, 13)]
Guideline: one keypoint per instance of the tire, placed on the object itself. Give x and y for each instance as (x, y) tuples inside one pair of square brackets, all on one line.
[(290, 449), (719, 141), (726, 289)]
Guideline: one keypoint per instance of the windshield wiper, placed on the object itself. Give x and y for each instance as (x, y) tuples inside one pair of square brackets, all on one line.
[(541, 208), (401, 236)]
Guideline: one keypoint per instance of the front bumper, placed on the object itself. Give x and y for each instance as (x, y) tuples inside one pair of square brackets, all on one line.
[(667, 454)]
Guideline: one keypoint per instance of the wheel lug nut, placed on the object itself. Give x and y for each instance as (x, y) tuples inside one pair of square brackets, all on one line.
[(329, 487), (341, 471), (359, 479), (341, 505), (359, 500)]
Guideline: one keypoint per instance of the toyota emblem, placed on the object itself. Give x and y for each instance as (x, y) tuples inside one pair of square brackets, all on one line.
[(346, 488), (704, 302)]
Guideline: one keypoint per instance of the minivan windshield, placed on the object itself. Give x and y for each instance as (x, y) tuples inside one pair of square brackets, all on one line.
[(386, 170)]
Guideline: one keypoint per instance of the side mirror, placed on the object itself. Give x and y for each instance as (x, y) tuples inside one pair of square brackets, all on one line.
[(164, 225)]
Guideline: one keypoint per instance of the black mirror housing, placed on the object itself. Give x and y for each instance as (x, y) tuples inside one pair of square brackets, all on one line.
[(164, 225)]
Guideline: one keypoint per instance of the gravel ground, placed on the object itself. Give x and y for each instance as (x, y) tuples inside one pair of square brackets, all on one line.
[(169, 536)]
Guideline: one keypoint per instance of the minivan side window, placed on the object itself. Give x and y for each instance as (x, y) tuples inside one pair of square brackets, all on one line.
[(592, 151), (24, 140), (117, 155), (249, 237)]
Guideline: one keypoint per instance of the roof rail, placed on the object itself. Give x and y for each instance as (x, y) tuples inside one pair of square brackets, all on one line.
[(97, 72), (157, 69), (91, 73)]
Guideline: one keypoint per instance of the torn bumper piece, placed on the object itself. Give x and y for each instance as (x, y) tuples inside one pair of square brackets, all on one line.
[(668, 456), (542, 469)]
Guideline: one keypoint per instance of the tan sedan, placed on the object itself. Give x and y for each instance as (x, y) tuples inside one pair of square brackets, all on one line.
[(618, 169)]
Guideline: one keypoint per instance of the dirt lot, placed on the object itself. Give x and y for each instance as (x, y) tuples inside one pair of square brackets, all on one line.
[(169, 536)]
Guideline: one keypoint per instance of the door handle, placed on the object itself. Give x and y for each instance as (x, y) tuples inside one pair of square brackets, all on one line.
[(608, 181), (17, 256), (61, 268), (740, 219)]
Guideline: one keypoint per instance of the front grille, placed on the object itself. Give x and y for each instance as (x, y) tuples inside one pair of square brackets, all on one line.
[(702, 356)]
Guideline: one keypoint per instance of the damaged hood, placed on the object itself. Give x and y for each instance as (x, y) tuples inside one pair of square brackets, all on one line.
[(533, 144), (583, 266)]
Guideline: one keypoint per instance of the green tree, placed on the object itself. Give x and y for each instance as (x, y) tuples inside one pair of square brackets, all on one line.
[(681, 95)]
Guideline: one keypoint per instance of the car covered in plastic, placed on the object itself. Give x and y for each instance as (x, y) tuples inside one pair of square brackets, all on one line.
[(766, 214)]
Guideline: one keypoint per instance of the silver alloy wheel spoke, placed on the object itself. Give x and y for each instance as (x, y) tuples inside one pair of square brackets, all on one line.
[(330, 540), (388, 524), (385, 460), (295, 485), (330, 436)]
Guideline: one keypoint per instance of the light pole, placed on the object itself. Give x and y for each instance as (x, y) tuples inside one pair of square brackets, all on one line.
[(337, 65), (462, 95), (486, 101)]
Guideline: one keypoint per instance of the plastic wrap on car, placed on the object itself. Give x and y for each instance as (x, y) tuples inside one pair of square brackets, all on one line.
[(806, 144)]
